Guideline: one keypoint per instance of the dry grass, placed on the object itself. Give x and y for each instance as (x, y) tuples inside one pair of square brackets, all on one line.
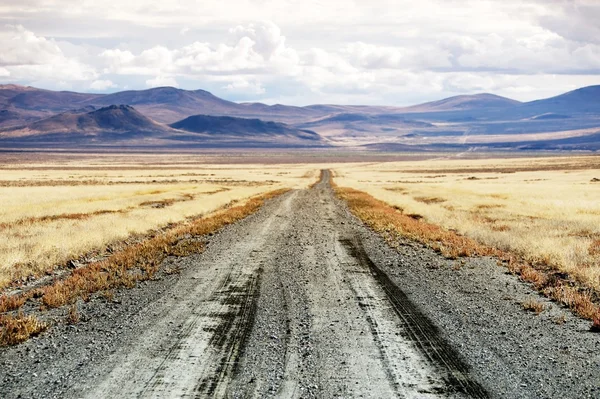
[(15, 329), (58, 212), (392, 224), (544, 210), (532, 305)]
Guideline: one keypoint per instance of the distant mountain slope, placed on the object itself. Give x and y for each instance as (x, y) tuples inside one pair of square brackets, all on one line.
[(199, 118), (168, 105), (230, 126), (115, 122), (123, 125), (20, 105), (31, 98), (465, 102), (583, 100)]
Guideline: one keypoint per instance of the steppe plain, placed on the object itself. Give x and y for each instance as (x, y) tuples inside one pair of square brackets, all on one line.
[(386, 276)]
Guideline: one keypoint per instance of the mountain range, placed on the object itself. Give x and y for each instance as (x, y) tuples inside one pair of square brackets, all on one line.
[(171, 117)]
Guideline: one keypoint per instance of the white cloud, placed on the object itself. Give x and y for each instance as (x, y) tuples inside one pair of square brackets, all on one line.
[(27, 56), (102, 85), (161, 81), (243, 86), (341, 50), (22, 47), (372, 56)]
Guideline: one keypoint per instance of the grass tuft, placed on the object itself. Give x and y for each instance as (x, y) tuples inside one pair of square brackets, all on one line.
[(19, 328), (531, 305)]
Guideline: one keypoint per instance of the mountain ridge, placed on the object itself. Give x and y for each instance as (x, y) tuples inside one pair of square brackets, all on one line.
[(454, 122)]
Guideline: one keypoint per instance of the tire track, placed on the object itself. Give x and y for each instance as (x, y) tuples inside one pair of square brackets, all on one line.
[(419, 329)]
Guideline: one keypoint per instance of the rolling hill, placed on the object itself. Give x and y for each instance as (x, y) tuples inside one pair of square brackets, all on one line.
[(585, 100), (481, 101), (241, 127), (167, 115), (123, 125), (168, 105)]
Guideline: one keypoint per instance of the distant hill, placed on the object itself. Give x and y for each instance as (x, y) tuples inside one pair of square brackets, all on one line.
[(124, 125), (168, 105), (465, 102), (20, 105), (241, 127), (356, 128), (115, 122), (31, 98), (580, 101), (168, 116)]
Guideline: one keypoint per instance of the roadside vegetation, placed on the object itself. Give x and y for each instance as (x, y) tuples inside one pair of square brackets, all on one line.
[(76, 228), (540, 217)]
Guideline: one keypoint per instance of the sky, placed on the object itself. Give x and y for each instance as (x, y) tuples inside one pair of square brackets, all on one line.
[(386, 52)]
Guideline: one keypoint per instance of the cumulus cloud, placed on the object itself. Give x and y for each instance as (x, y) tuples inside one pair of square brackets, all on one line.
[(161, 81), (22, 47), (574, 20), (27, 56), (102, 84), (244, 86), (381, 51)]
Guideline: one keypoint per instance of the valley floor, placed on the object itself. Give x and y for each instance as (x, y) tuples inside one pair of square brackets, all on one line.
[(301, 300)]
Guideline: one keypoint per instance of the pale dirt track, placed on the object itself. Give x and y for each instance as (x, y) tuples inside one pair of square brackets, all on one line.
[(294, 308), (300, 301)]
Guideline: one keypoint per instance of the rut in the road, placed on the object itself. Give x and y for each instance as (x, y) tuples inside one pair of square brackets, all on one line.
[(287, 304), (419, 329)]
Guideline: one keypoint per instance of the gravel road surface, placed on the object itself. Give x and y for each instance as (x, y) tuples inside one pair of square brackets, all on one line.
[(300, 300)]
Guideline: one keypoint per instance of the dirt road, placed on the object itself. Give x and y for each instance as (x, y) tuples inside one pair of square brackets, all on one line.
[(288, 303)]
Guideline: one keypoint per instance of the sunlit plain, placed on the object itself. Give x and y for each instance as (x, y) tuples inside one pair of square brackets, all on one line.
[(52, 213), (544, 209)]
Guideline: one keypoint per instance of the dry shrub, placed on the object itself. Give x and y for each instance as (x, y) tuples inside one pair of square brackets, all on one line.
[(159, 203), (73, 315), (19, 328), (9, 303), (396, 189), (531, 305), (500, 227)]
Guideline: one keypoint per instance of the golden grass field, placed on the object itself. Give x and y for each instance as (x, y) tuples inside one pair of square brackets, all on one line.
[(546, 210), (60, 210)]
